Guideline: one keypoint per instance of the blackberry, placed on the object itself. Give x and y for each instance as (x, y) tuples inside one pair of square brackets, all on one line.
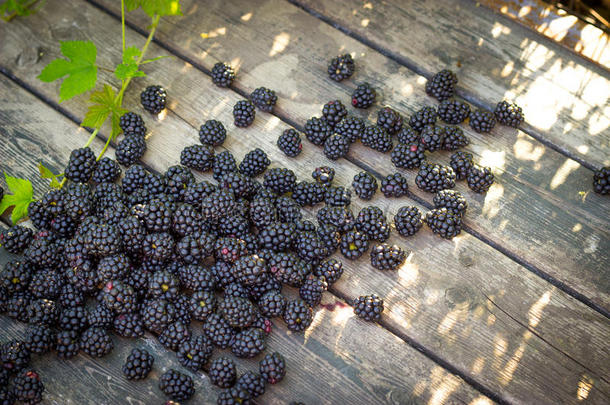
[(197, 157), (70, 297), (233, 396), (196, 278), (176, 385), (433, 177), (297, 315), (333, 112), (353, 245), (331, 270), (323, 175), (222, 74), (290, 142), (368, 307), (264, 98), (454, 138), (408, 135), (42, 252), (248, 343), (6, 393), (130, 150), (218, 204), (218, 330), (132, 123), (601, 180), (128, 325), (336, 146), (408, 220), (28, 388), (509, 114), (203, 303), (444, 222), (241, 185), (394, 185), (341, 67), (194, 353), (364, 96), (273, 368), (453, 111), (280, 180), (78, 201), (461, 162), (100, 316), (338, 196), (372, 222), (254, 163), (67, 344), (243, 113), (222, 372), (96, 342), (159, 246), (40, 339), (138, 364), (423, 117), (74, 318), (238, 312), (157, 314), (16, 306), (16, 238), (46, 283), (53, 200), (16, 276), (163, 284), (308, 193), (196, 192), (452, 200), (229, 249), (38, 214), (186, 221), (114, 267), (272, 304), (288, 210), (375, 137), (81, 165), (14, 355), (262, 212), (288, 268), (317, 130), (329, 237), (479, 178), (224, 162), (174, 334), (212, 133), (184, 312), (178, 178), (312, 289), (482, 120), (442, 85), (277, 236), (432, 137), (387, 257), (132, 234), (364, 185), (340, 217), (153, 99), (309, 247), (235, 289), (389, 119), (63, 226), (253, 383), (350, 128)]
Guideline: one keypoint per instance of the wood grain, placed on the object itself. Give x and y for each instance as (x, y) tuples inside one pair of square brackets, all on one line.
[(331, 363)]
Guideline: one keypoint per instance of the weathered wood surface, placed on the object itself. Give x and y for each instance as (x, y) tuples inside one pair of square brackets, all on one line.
[(451, 298), (340, 358), (535, 211)]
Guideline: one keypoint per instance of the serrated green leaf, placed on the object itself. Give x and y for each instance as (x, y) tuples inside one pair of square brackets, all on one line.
[(131, 54), (45, 172), (161, 7), (19, 7), (125, 71), (20, 198), (131, 5), (116, 128)]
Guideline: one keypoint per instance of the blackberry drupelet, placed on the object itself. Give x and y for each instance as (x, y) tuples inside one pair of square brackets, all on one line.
[(238, 312), (81, 165), (106, 171), (364, 185), (290, 142), (218, 330), (341, 67), (288, 268), (39, 339), (444, 222), (454, 138), (273, 367), (482, 120), (176, 385), (254, 163), (212, 133), (130, 150), (317, 130), (331, 270), (157, 314), (394, 185), (601, 180), (432, 137), (174, 334), (452, 200), (351, 128), (442, 85), (509, 114), (368, 307), (433, 177), (158, 246), (390, 120), (372, 222), (153, 99), (16, 238), (132, 124), (336, 146), (461, 162), (28, 388), (453, 111), (194, 353), (128, 325), (222, 74), (407, 135), (424, 116), (375, 137), (297, 315), (480, 178), (248, 343), (253, 383), (138, 364), (364, 96), (337, 196), (340, 217), (408, 156), (334, 111), (222, 372), (243, 113), (280, 180), (264, 98), (67, 344), (272, 304), (323, 175), (353, 245), (387, 257), (96, 342), (197, 157), (408, 220), (312, 289)]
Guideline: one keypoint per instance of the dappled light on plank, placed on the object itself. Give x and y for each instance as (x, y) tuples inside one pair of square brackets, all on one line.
[(499, 29), (535, 312), (563, 172), (525, 148), (246, 17), (214, 33), (493, 201), (280, 43), (584, 387)]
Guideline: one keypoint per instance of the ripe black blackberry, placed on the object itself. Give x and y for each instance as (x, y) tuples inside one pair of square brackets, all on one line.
[(194, 353), (38, 214), (442, 85), (454, 138), (218, 204), (46, 283), (264, 98), (130, 150), (323, 175), (330, 237), (389, 119), (394, 185), (253, 383), (408, 220), (40, 339), (482, 120), (158, 246), (338, 196), (290, 142), (424, 116), (317, 130), (341, 67), (212, 133), (229, 249), (157, 314), (371, 221), (364, 96), (280, 180), (196, 192), (100, 316), (153, 99), (288, 210), (74, 318), (28, 388), (63, 226), (128, 325), (177, 180), (340, 217), (375, 137), (224, 162), (298, 315), (16, 276), (273, 368), (243, 113), (407, 135), (222, 372), (235, 289), (461, 162), (138, 364), (222, 74), (67, 344), (113, 267), (96, 342), (272, 304), (336, 146), (277, 236), (248, 343), (254, 163), (452, 200), (174, 334), (81, 165), (106, 171), (16, 238), (480, 178), (364, 185), (233, 396), (132, 234), (433, 177), (353, 245), (444, 222), (16, 306), (387, 257), (432, 137), (262, 212), (312, 289), (408, 156), (509, 114), (186, 220), (288, 268), (308, 193), (453, 111), (176, 385), (368, 307), (163, 284), (70, 296), (14, 355), (238, 312), (350, 128), (331, 270), (309, 247), (334, 112), (218, 330), (197, 157), (241, 185), (601, 180), (132, 124)]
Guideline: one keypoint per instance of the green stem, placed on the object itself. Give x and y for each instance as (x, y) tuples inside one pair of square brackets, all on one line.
[(105, 147), (123, 23), (93, 135)]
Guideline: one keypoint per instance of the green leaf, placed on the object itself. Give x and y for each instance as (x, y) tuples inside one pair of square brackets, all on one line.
[(47, 173), (131, 5), (79, 67), (161, 7), (18, 7), (104, 103), (20, 198), (131, 54), (124, 71)]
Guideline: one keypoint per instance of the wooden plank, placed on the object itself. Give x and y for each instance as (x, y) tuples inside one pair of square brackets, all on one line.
[(464, 286), (326, 365), (538, 196)]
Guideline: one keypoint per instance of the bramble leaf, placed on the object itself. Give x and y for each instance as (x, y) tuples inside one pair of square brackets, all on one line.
[(103, 103), (47, 173), (79, 67), (124, 71), (155, 7), (18, 7), (131, 54), (20, 198)]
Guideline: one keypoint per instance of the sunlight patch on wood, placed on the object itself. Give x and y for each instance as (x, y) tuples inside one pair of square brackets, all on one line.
[(447, 386), (577, 227), (496, 160), (563, 172), (507, 69), (499, 29), (525, 10), (584, 387), (481, 401), (450, 320), (367, 6), (535, 312), (420, 388), (280, 42), (408, 272), (559, 27), (493, 199), (526, 148), (402, 311), (500, 346), (246, 17), (365, 22), (506, 375), (478, 365), (215, 33)]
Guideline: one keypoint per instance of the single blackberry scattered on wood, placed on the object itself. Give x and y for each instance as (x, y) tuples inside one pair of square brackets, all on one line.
[(433, 177), (280, 179), (96, 342), (336, 146), (222, 372), (377, 138), (253, 383), (454, 138), (461, 162), (341, 67), (408, 156), (368, 307), (351, 128), (254, 163), (153, 99), (317, 130), (80, 165), (176, 385), (394, 185), (130, 150), (364, 185), (453, 111), (442, 85), (509, 114), (407, 135), (243, 113), (212, 133), (364, 96), (197, 157), (408, 220), (132, 123), (444, 222), (234, 396), (273, 368), (432, 137), (601, 180), (248, 343), (14, 355), (482, 120), (67, 344), (452, 200), (353, 245), (194, 353), (323, 175), (290, 142), (298, 315), (40, 339), (337, 196), (222, 74), (480, 178), (312, 289), (28, 388), (390, 120), (387, 257), (372, 222), (334, 111), (264, 98), (331, 270), (138, 364), (423, 117)]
